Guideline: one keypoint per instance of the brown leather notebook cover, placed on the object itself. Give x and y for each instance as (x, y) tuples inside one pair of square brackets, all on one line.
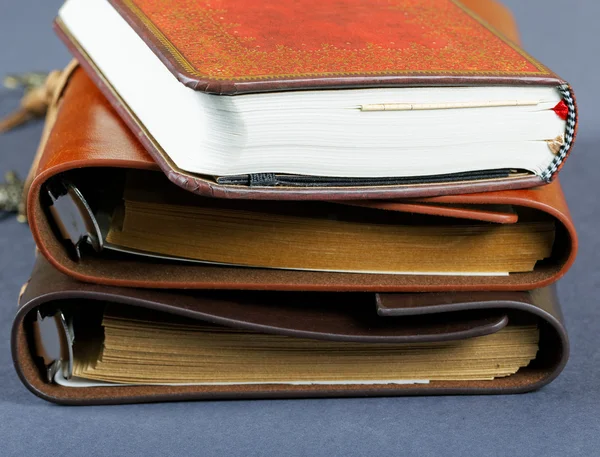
[(394, 318), (87, 135), (471, 21)]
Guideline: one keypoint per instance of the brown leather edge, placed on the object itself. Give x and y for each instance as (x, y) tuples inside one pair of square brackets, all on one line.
[(310, 282), (351, 317), (461, 212), (266, 84), (563, 217), (202, 186), (540, 303), (48, 124)]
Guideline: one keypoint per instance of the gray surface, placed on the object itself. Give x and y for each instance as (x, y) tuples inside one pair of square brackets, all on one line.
[(562, 419)]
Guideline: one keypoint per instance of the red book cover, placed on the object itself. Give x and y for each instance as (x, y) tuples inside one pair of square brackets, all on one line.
[(231, 47), (234, 46)]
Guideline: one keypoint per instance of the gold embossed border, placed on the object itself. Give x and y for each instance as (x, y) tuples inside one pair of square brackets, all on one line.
[(191, 70)]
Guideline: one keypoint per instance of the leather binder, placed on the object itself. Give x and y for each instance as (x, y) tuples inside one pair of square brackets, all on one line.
[(88, 137), (345, 317), (492, 13)]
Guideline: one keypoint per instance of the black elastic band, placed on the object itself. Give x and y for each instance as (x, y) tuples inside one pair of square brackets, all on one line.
[(273, 179)]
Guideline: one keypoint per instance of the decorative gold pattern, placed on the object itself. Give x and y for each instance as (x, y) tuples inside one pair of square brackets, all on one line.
[(220, 50)]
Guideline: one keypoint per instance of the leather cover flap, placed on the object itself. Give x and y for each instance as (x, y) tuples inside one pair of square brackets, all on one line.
[(500, 214), (349, 317)]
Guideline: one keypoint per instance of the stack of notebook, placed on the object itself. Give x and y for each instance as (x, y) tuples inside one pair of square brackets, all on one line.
[(238, 199)]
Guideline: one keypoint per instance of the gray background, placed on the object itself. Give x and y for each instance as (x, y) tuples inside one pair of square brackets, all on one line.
[(561, 419)]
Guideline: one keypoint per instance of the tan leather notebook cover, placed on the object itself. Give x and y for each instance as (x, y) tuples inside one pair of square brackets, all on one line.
[(87, 135), (243, 48), (382, 318)]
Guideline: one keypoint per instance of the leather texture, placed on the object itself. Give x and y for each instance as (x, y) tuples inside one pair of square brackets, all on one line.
[(87, 135), (490, 11), (246, 46), (52, 109), (341, 317)]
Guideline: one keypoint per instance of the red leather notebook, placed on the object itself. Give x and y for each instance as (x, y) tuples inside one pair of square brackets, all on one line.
[(327, 100)]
